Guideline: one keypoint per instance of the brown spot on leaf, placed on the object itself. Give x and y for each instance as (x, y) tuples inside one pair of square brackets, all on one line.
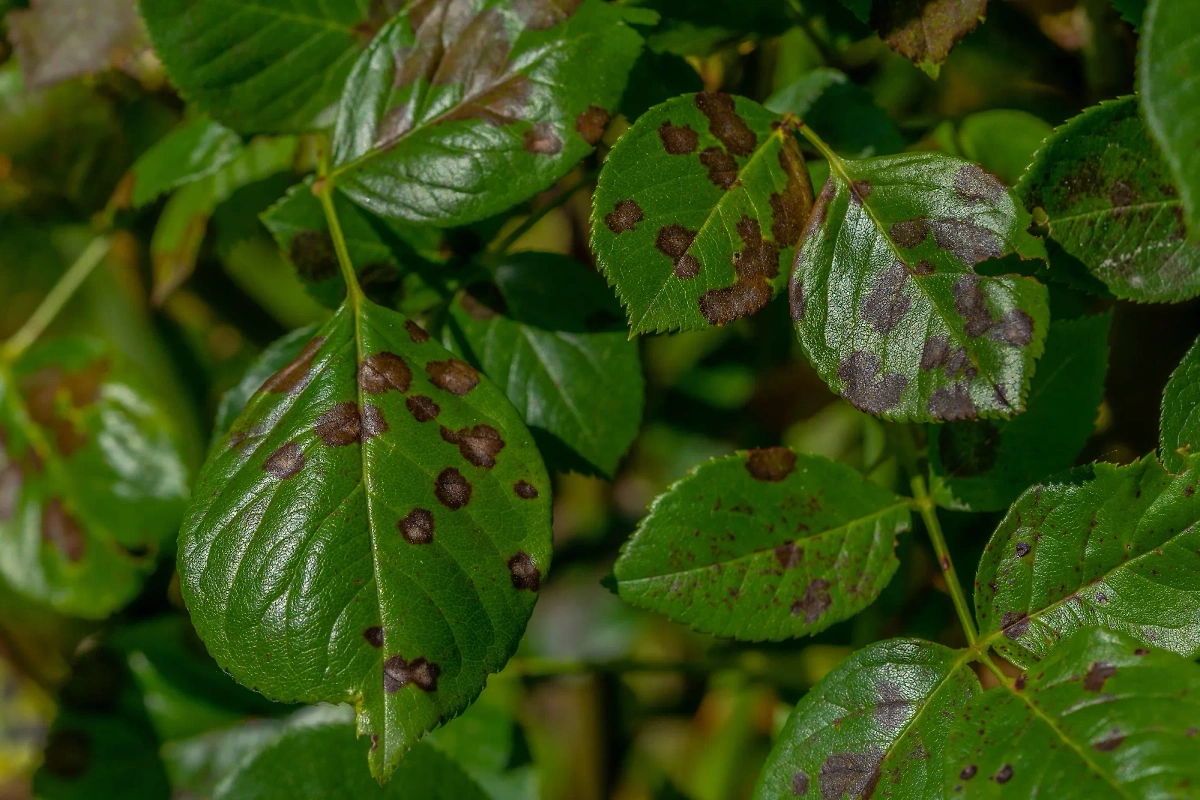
[(1004, 773), (790, 207), (483, 301), (543, 140), (971, 305), (722, 169), (789, 555), (973, 184), (968, 772), (384, 372), (62, 531), (886, 304), (673, 241), (422, 408), (296, 375), (1022, 549), (452, 489), (373, 422), (755, 265), (340, 425), (952, 403), (923, 267), (771, 464), (479, 444), (374, 636), (857, 372), (591, 124), (1097, 674), (524, 572), (1014, 328), (1014, 624), (285, 462), (925, 30), (909, 233), (796, 297), (937, 352), (725, 124), (454, 376), (525, 490), (417, 526), (815, 602), (852, 775), (891, 710), (313, 254), (1110, 742), (968, 242), (398, 673), (860, 191), (678, 140), (625, 216), (415, 332), (800, 783)]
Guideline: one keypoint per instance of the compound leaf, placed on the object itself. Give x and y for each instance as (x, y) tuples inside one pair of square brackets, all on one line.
[(190, 152), (764, 545), (1112, 205), (698, 211), (548, 331), (372, 530), (1102, 717), (473, 111), (880, 718), (1179, 431), (92, 479), (887, 303), (1101, 545)]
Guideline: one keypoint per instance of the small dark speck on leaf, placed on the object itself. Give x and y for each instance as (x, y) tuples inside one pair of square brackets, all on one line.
[(524, 572), (285, 462), (625, 216), (590, 124), (525, 490), (422, 408), (374, 636), (770, 464), (678, 140), (417, 526), (800, 783), (452, 489), (415, 332), (399, 672), (1004, 773), (968, 772), (1097, 674), (1022, 549)]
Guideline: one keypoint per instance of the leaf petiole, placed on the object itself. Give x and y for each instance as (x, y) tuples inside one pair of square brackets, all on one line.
[(928, 510), (323, 189)]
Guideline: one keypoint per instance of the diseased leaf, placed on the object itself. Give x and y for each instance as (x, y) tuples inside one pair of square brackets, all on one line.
[(873, 727), (1168, 65), (92, 481), (984, 465), (273, 358), (1179, 431), (924, 31), (294, 55), (764, 545), (472, 111), (192, 151), (378, 503), (1101, 717), (57, 40), (698, 211), (886, 300), (1111, 204), (844, 112), (549, 333), (1100, 545)]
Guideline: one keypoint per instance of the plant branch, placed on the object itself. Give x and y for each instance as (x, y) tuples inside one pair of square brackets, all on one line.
[(928, 510)]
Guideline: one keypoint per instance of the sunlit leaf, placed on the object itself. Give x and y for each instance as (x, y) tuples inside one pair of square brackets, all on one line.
[(192, 151), (1179, 431)]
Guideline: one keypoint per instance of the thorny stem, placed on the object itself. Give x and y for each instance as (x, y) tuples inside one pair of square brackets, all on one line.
[(924, 503), (500, 248), (87, 261), (323, 189)]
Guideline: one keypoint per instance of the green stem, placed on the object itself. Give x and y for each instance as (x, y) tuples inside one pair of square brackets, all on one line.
[(499, 249), (87, 261), (323, 189), (835, 161), (925, 505)]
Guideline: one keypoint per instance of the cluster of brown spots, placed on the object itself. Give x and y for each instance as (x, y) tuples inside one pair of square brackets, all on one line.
[(296, 375), (525, 490), (340, 425), (937, 352), (285, 462), (384, 372), (771, 464), (973, 184), (374, 636), (790, 207), (314, 256), (591, 124), (909, 233), (1014, 624), (417, 526), (800, 783), (1098, 672), (815, 602), (479, 444), (789, 555), (796, 297), (625, 216), (892, 709), (452, 489), (968, 772), (1003, 774), (68, 753), (524, 572), (62, 531), (850, 774), (952, 403), (415, 332), (454, 376), (857, 372), (673, 241), (422, 408), (543, 140), (860, 191), (722, 168), (968, 242), (755, 266), (1015, 327), (678, 140), (1110, 742), (483, 300), (886, 304), (725, 124), (399, 672)]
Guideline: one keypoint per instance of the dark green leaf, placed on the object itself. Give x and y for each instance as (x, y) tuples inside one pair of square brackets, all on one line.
[(1111, 204), (984, 465), (860, 8), (886, 300), (293, 56), (472, 112), (764, 545), (1101, 545), (197, 765), (1179, 431), (655, 78), (1132, 11), (843, 112), (1100, 718), (698, 210), (549, 332), (1168, 65), (188, 153), (380, 503), (924, 31), (876, 722), (689, 28), (57, 40), (92, 481)]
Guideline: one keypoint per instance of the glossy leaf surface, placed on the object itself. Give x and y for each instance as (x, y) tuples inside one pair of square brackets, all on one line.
[(1100, 717), (764, 545), (873, 727), (92, 480), (1112, 204), (190, 152), (1179, 431), (1100, 545), (455, 113), (698, 211), (886, 300), (373, 530), (984, 465), (549, 333)]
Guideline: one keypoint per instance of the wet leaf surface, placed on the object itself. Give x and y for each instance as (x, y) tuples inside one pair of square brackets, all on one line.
[(1179, 431), (190, 152)]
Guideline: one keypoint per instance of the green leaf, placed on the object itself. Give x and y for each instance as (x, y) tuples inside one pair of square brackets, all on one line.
[(92, 481), (380, 504), (1100, 545), (322, 761), (984, 465), (1168, 63), (655, 78), (292, 56), (275, 357), (1111, 204), (698, 211), (924, 31), (1100, 718), (764, 545), (887, 302), (1179, 432), (198, 764), (877, 720), (491, 748), (548, 331), (57, 40), (843, 111), (192, 151), (1002, 140), (1132, 11), (507, 102), (688, 28)]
